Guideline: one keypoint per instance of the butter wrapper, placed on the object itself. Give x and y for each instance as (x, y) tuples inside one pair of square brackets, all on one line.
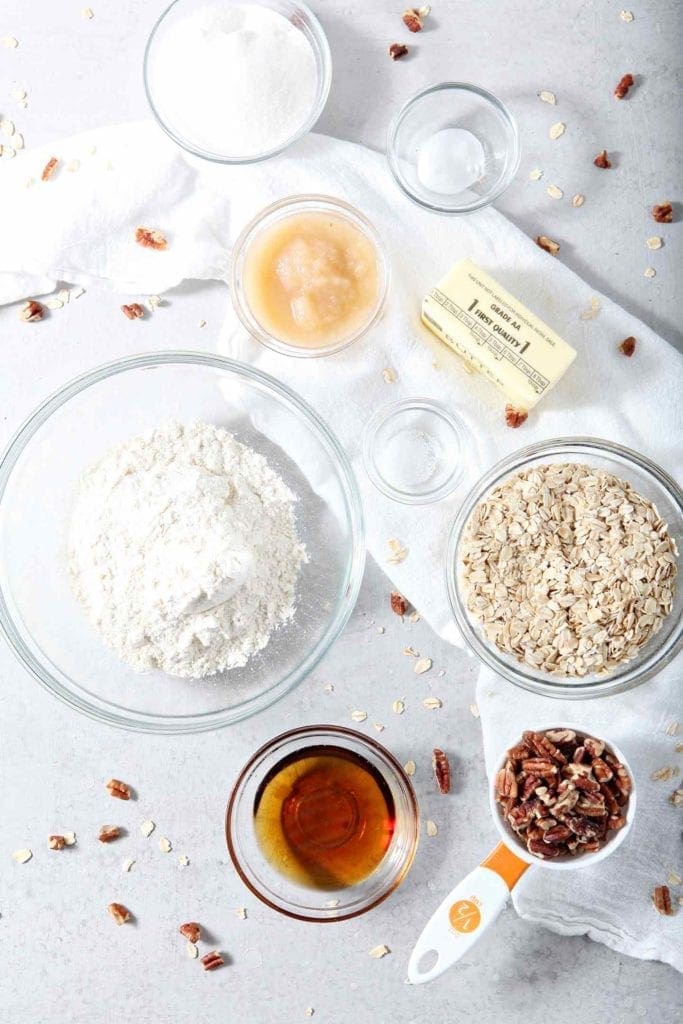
[(493, 332)]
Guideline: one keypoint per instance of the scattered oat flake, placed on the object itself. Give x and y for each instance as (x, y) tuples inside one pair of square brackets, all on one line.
[(423, 665), (674, 878), (87, 13), (202, 323), (73, 165), (650, 272), (53, 304), (6, 126), (127, 864), (381, 629), (654, 243), (377, 952), (432, 703), (183, 860), (17, 141), (398, 707), (676, 798), (70, 838), (664, 774), (398, 552), (431, 828), (328, 688), (474, 711), (192, 950), (63, 295), (557, 129), (536, 174), (10, 42), (154, 302), (309, 1011), (626, 16), (547, 97), (416, 617), (77, 292), (389, 375), (410, 652), (18, 93), (579, 199), (593, 309), (241, 912), (9, 152), (378, 726), (673, 729), (554, 191), (165, 844), (147, 828), (359, 716), (22, 856), (679, 748), (410, 767)]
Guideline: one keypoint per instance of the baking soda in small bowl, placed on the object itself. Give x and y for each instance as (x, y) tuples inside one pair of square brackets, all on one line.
[(236, 82)]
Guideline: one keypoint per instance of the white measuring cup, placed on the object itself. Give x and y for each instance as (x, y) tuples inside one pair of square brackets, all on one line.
[(475, 903)]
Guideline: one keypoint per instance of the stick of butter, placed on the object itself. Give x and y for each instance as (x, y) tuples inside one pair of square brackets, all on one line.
[(496, 334)]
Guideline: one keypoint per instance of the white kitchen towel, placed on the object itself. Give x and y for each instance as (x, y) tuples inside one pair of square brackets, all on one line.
[(79, 227)]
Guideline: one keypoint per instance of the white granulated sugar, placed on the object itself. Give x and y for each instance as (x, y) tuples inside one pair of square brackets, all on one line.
[(233, 79), (183, 550)]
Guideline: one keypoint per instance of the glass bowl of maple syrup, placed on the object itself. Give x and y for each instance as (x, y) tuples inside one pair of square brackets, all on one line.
[(322, 824)]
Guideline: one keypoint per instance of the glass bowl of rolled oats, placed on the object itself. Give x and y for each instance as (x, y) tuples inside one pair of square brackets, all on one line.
[(562, 568)]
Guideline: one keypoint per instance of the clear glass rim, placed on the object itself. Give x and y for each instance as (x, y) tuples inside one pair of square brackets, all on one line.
[(623, 679), (340, 734), (385, 413), (394, 164), (324, 84), (307, 202), (116, 715)]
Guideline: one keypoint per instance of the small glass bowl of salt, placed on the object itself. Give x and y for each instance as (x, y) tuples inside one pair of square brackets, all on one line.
[(237, 82), (413, 450), (453, 148)]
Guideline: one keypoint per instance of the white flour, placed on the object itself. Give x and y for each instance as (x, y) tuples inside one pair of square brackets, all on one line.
[(234, 79), (183, 550)]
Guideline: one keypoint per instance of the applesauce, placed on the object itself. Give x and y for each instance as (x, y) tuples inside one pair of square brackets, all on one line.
[(313, 278)]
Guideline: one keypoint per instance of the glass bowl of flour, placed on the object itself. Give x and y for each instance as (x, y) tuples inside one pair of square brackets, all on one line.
[(181, 541), (237, 82)]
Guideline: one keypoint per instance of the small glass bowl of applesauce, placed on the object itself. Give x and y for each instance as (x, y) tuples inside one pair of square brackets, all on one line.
[(309, 276)]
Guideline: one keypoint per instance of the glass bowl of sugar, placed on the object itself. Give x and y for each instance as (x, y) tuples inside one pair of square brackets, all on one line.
[(453, 148), (237, 82)]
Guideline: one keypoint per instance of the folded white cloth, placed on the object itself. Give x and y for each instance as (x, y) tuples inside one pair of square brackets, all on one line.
[(79, 227)]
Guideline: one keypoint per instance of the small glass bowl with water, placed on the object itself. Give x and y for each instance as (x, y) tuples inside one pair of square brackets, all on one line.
[(453, 148)]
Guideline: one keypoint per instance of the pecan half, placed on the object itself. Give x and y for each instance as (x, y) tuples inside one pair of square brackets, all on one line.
[(561, 735), (120, 913), (134, 311), (661, 900), (32, 311), (601, 770), (56, 842), (506, 782), (399, 605), (544, 746), (397, 50), (602, 160), (191, 931), (442, 770), (121, 790), (623, 86), (543, 242), (49, 168), (515, 417), (593, 747), (663, 213), (542, 849), (108, 833), (210, 961), (628, 346), (413, 17), (149, 238)]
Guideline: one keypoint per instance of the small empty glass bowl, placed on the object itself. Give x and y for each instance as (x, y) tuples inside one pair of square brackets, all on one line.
[(413, 450), (453, 148), (293, 206), (281, 892), (647, 479), (182, 128)]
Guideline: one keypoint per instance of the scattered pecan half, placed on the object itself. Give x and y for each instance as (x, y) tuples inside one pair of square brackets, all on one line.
[(121, 790), (149, 238), (134, 311), (543, 242), (56, 842), (397, 50), (32, 311), (399, 605), (661, 900), (413, 18), (120, 913), (628, 346), (562, 792), (602, 160), (442, 770), (210, 961), (515, 417), (191, 931), (623, 87), (663, 213), (49, 168), (108, 833)]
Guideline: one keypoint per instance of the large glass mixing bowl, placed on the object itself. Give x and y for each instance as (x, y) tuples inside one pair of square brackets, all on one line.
[(48, 630)]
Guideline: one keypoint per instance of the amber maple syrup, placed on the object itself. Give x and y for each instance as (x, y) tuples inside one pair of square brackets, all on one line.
[(324, 817)]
